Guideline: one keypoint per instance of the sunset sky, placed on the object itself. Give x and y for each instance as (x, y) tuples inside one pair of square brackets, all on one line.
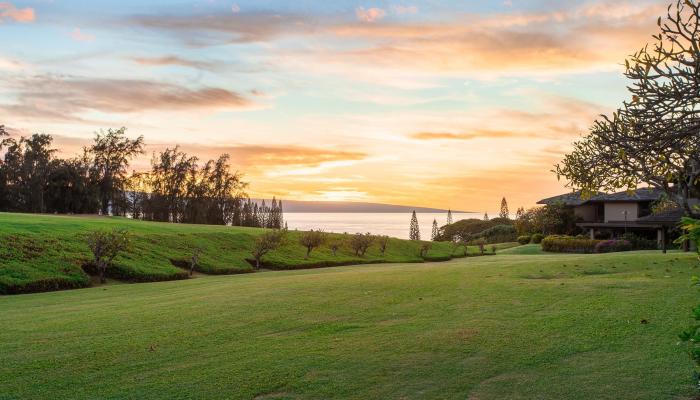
[(449, 104)]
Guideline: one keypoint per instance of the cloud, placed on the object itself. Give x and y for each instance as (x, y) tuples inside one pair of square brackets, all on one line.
[(50, 97), (9, 12), (173, 60), (226, 28), (235, 8), (399, 9), (481, 134), (78, 35), (369, 14)]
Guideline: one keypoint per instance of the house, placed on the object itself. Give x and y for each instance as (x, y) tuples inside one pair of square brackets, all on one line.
[(617, 213)]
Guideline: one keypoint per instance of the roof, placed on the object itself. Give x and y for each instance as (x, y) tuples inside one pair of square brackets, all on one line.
[(575, 199), (666, 217)]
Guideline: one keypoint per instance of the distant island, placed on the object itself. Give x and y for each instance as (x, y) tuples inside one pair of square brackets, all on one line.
[(292, 206)]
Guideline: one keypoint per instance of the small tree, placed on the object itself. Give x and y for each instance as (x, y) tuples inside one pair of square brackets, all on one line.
[(436, 231), (481, 242), (425, 248), (105, 246), (360, 243), (311, 240), (266, 243), (486, 216), (194, 259), (335, 243), (383, 242), (414, 232), (504, 210)]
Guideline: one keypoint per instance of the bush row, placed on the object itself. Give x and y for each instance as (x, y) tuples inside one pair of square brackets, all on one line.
[(580, 244), (526, 239)]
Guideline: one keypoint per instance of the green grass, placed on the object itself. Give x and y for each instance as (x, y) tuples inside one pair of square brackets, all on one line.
[(39, 252), (503, 327), (525, 250)]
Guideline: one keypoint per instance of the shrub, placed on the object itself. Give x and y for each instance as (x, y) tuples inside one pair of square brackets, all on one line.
[(640, 243), (537, 238), (568, 244), (524, 239), (468, 228), (425, 248), (611, 246)]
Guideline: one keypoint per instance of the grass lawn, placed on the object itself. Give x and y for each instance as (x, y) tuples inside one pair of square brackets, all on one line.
[(40, 252), (518, 326)]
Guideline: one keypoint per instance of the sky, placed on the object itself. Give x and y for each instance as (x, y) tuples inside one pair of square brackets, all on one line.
[(447, 104)]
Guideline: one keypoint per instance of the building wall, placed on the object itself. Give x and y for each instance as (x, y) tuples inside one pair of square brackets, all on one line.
[(615, 211), (585, 212)]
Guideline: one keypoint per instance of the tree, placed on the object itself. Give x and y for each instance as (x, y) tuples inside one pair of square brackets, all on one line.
[(265, 243), (519, 213), (486, 216), (383, 242), (334, 244), (436, 231), (311, 239), (360, 243), (112, 152), (414, 231), (504, 210), (449, 217), (652, 138), (105, 246)]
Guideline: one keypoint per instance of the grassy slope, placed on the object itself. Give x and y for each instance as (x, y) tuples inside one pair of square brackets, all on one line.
[(504, 327), (39, 252)]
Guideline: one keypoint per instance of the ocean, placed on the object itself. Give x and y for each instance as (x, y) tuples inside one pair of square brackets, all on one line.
[(391, 224)]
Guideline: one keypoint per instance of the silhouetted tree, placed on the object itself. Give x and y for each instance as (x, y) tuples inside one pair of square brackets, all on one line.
[(436, 231), (112, 152), (449, 217), (414, 230), (505, 214)]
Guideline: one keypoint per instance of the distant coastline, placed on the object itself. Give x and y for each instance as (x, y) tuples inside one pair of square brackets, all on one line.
[(295, 206)]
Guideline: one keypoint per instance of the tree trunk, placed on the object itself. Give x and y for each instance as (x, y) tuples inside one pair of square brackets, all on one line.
[(308, 252), (102, 267), (257, 263)]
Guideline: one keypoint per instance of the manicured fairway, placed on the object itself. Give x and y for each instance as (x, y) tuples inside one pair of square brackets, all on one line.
[(503, 327)]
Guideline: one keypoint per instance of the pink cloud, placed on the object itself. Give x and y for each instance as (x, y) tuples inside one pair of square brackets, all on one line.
[(9, 11), (81, 36), (369, 14)]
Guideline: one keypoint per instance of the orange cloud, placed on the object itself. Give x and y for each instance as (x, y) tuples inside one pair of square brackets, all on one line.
[(369, 14), (9, 11)]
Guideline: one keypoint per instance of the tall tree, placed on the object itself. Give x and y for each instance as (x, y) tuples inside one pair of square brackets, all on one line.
[(652, 139), (414, 230), (504, 210), (436, 231), (112, 152), (449, 217)]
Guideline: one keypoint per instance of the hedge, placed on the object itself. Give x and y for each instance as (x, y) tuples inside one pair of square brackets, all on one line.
[(568, 244)]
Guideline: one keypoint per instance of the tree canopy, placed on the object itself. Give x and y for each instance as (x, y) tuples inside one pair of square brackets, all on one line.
[(652, 139)]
